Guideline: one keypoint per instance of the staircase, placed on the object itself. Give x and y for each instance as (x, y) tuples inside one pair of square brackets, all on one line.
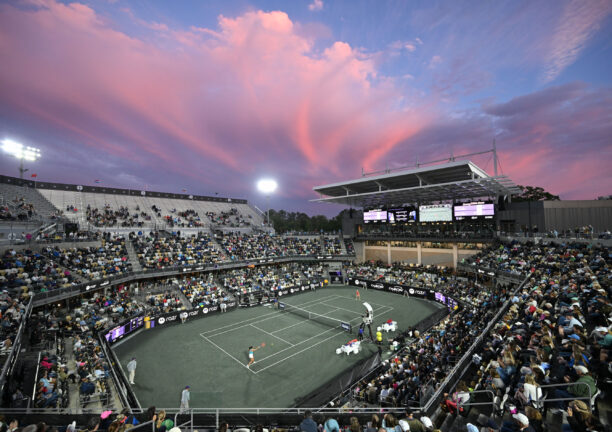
[(132, 255), (217, 246), (186, 303), (342, 244)]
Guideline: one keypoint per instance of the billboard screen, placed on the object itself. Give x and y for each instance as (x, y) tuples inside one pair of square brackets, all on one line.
[(375, 216), (474, 211), (402, 215), (436, 213)]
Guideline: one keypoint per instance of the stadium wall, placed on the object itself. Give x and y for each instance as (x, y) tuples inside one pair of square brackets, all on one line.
[(556, 215), (448, 257), (117, 191)]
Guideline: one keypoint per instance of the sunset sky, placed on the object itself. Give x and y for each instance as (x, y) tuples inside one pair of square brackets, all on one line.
[(210, 96)]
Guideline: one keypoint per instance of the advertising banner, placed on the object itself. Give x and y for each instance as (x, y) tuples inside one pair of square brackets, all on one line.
[(423, 293)]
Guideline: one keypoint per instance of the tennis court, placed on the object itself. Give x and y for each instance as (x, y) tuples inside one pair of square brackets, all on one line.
[(298, 354)]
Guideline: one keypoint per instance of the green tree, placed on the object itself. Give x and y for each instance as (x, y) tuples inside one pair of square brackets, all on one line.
[(284, 221), (534, 193)]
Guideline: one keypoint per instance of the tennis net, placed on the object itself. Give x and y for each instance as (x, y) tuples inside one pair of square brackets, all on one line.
[(322, 319)]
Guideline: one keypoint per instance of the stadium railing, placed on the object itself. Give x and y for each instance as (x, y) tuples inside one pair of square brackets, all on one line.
[(43, 298), (453, 378), (205, 417), (9, 364)]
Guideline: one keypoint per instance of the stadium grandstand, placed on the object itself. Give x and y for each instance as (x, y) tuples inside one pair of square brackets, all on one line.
[(149, 310)]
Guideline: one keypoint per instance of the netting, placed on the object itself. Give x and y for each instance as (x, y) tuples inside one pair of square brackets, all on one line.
[(322, 319)]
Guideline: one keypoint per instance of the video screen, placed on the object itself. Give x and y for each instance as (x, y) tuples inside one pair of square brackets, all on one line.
[(120, 331), (440, 297), (375, 216), (474, 210), (402, 215), (436, 213)]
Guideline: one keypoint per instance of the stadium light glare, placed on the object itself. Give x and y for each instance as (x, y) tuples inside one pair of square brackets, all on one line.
[(20, 152), (267, 186)]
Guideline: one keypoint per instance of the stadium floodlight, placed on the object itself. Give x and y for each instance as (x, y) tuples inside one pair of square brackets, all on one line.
[(267, 186), (20, 152)]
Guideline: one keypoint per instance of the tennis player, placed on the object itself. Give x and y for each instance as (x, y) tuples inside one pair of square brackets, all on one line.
[(252, 355), (357, 295)]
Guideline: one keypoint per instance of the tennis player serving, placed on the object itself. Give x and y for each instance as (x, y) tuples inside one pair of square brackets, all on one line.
[(252, 350)]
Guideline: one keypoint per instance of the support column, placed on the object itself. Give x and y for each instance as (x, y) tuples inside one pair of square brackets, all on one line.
[(455, 256), (363, 254), (419, 254), (388, 253)]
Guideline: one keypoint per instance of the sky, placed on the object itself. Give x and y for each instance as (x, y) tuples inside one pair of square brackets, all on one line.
[(210, 96)]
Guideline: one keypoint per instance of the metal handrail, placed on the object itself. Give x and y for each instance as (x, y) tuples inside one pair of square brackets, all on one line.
[(468, 403), (11, 357), (460, 366), (544, 400)]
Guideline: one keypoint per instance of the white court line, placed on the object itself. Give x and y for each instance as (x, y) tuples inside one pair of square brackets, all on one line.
[(315, 336), (241, 363), (310, 303), (348, 310), (304, 321), (301, 351), (256, 320), (279, 338), (260, 316), (353, 299), (299, 343), (311, 346)]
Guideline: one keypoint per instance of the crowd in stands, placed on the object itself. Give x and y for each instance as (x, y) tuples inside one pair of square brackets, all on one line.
[(423, 365), (156, 251), (73, 236), (108, 217), (425, 232), (512, 258), (270, 278), (403, 274), (184, 219), (350, 248), (202, 291), (232, 218), (556, 331), (12, 312), (93, 262), (23, 272), (240, 246), (331, 245)]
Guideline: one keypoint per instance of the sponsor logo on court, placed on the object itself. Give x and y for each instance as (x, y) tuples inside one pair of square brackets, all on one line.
[(161, 320), (396, 289), (377, 286)]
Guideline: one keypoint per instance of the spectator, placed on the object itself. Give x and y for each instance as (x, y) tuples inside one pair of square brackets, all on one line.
[(308, 424)]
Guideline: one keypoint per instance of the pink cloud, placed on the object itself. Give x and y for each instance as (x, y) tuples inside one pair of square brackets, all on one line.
[(252, 92), (316, 5)]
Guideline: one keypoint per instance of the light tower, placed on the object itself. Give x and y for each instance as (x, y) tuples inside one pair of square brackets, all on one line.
[(267, 186), (21, 152)]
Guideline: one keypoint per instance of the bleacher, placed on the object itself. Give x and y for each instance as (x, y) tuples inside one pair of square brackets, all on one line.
[(157, 208)]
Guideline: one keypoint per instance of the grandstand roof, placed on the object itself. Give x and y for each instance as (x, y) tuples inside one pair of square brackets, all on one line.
[(444, 182)]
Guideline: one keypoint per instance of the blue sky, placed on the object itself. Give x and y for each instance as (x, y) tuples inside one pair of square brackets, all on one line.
[(209, 96)]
